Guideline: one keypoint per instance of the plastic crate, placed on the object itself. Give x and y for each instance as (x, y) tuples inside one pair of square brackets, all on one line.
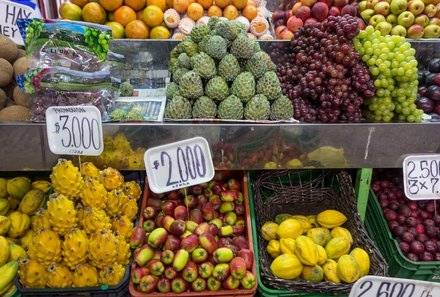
[(399, 265), (239, 175)]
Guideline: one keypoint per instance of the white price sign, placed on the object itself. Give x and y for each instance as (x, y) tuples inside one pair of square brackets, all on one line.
[(10, 12), (421, 177), (179, 164), (74, 130), (376, 286)]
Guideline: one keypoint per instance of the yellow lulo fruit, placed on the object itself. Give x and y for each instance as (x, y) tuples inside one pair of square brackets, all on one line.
[(348, 269), (319, 235), (4, 250), (13, 203), (306, 224), (3, 190), (20, 223), (32, 201), (5, 224), (342, 232), (322, 255), (313, 274), (314, 221), (16, 252), (290, 228), (18, 186), (331, 218), (286, 266), (337, 247), (287, 246), (42, 185), (281, 217), (269, 230), (363, 260), (4, 206), (273, 248), (306, 250), (331, 271)]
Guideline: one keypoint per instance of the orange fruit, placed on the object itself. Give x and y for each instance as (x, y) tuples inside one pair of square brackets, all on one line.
[(195, 11), (153, 16), (137, 29), (239, 4), (160, 32), (230, 12), (70, 11), (222, 3), (250, 12), (215, 11), (180, 5), (80, 3), (162, 4), (124, 15), (251, 2), (140, 15), (169, 3), (111, 5), (136, 4), (118, 30), (94, 13), (205, 3)]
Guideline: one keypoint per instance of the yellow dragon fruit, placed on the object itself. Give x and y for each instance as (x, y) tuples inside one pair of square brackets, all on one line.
[(116, 200), (27, 239), (88, 169), (95, 219), (132, 189), (46, 247), (112, 178), (75, 247), (112, 275), (103, 247), (66, 179), (85, 275), (123, 250), (40, 220), (58, 276), (123, 226), (93, 194), (62, 213), (80, 213), (130, 208), (32, 274)]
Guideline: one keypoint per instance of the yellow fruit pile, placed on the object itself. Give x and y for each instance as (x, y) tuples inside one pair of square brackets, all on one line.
[(314, 248)]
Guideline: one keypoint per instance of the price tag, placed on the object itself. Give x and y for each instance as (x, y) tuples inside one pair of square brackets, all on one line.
[(10, 12), (74, 130), (421, 177), (179, 164), (376, 286)]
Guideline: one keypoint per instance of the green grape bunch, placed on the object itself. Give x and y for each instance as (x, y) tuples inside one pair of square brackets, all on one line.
[(98, 41), (393, 66)]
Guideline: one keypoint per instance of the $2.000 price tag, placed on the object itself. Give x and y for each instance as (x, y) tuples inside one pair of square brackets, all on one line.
[(421, 176), (179, 164), (74, 130), (376, 286)]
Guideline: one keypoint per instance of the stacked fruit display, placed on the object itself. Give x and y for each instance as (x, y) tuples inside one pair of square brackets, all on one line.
[(220, 72), (314, 248), (295, 14), (412, 19), (194, 239), (415, 225), (429, 88)]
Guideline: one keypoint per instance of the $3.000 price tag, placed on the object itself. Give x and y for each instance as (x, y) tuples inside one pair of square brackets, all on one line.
[(74, 130), (376, 286), (421, 176), (179, 164)]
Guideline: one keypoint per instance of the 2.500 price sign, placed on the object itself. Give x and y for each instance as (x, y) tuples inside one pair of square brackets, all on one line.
[(74, 130), (179, 164), (421, 175)]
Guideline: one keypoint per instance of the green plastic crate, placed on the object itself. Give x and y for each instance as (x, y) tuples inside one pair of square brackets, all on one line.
[(399, 265)]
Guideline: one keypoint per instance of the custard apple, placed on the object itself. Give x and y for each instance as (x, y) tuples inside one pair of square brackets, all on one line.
[(229, 68), (244, 86), (258, 108), (217, 88), (177, 75), (224, 29), (269, 64), (238, 27), (190, 85), (204, 65), (213, 21), (174, 53), (199, 31), (178, 108), (256, 65), (173, 65), (231, 108), (242, 47), (216, 47), (256, 45), (281, 109), (269, 85), (172, 90), (204, 108), (203, 43), (188, 46), (184, 61)]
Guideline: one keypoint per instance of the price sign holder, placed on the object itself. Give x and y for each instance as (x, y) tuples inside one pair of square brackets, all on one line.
[(378, 286), (74, 130), (421, 176), (179, 164)]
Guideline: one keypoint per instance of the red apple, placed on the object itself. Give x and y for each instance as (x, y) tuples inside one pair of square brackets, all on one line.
[(303, 13), (334, 11), (349, 9), (328, 2), (248, 257), (294, 23), (181, 213), (196, 215), (320, 11), (286, 34)]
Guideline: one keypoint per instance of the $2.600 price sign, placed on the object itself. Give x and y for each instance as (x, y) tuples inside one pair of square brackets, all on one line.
[(376, 286), (179, 164), (421, 174), (74, 130)]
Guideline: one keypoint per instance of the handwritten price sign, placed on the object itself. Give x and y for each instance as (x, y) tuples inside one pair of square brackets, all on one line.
[(421, 175), (74, 130), (375, 286), (179, 164)]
